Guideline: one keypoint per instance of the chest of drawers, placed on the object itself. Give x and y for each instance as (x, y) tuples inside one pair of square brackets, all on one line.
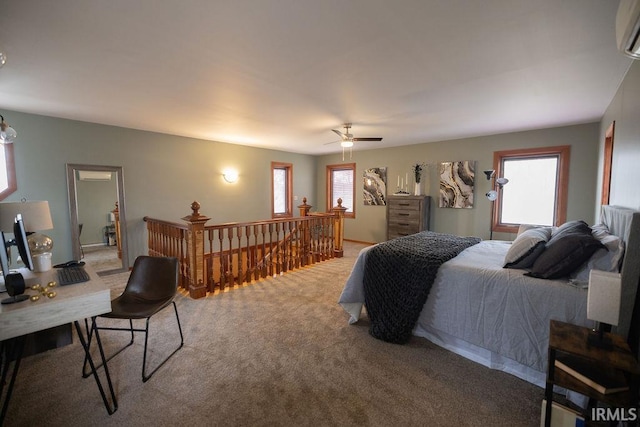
[(407, 215)]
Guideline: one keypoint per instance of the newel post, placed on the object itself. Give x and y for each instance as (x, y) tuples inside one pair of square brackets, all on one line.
[(304, 207), (195, 251), (305, 233), (338, 229)]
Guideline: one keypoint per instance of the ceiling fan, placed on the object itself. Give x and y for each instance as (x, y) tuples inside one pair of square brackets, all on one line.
[(347, 139)]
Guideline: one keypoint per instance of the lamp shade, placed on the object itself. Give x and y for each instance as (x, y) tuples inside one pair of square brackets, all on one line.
[(35, 214), (603, 298)]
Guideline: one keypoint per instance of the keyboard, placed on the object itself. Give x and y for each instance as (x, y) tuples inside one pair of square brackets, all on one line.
[(71, 275)]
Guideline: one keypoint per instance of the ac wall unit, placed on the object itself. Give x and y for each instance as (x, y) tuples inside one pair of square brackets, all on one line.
[(94, 176), (628, 28)]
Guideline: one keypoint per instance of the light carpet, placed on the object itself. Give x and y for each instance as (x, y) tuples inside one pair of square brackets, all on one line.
[(274, 353)]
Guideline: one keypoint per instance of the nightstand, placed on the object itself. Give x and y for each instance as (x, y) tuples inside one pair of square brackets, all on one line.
[(570, 341)]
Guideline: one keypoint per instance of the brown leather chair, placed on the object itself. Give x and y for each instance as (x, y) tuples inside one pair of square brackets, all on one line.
[(151, 287)]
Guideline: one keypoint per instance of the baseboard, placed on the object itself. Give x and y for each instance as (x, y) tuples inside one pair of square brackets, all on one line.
[(360, 241)]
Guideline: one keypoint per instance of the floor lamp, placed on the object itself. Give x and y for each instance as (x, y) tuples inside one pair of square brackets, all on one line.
[(492, 195)]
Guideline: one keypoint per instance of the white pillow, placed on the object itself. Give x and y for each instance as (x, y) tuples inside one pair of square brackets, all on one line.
[(526, 248), (608, 259)]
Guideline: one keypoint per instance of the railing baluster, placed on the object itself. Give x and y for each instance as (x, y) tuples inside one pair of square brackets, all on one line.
[(223, 263)]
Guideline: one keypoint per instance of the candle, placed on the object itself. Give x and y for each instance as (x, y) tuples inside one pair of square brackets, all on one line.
[(406, 179), (401, 183), (398, 181)]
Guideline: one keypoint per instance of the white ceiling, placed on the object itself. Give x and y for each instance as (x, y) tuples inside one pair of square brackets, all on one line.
[(281, 73)]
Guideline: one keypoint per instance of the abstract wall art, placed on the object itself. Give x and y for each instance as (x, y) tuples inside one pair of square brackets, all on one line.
[(375, 186), (456, 184)]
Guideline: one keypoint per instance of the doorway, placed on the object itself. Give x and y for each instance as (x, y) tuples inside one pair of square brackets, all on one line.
[(96, 225)]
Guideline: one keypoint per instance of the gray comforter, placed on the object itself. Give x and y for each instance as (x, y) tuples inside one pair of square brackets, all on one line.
[(398, 277)]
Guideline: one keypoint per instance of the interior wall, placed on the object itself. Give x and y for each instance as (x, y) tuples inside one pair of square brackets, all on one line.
[(370, 222), (96, 199), (163, 174), (624, 109)]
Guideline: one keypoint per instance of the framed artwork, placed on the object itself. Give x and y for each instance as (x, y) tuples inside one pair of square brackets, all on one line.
[(375, 186), (456, 184)]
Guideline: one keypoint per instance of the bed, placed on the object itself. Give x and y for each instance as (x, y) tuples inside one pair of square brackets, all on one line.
[(498, 316)]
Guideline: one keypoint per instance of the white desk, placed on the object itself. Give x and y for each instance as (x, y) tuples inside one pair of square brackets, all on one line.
[(71, 304)]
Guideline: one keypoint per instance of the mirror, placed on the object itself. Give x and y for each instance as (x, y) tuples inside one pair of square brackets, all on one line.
[(102, 221)]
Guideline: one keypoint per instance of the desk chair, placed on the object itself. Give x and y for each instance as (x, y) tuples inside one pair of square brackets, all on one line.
[(151, 287)]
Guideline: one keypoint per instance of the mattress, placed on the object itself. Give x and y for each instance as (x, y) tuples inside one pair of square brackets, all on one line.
[(495, 316)]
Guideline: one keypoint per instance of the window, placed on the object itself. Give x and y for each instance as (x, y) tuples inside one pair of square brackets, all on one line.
[(537, 188), (281, 189), (341, 184), (8, 172)]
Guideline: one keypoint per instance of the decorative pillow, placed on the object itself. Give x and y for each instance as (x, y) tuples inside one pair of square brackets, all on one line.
[(570, 246), (570, 227), (527, 247), (525, 227), (605, 259)]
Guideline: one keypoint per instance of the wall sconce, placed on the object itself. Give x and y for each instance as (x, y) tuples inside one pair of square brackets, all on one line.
[(7, 133), (230, 175)]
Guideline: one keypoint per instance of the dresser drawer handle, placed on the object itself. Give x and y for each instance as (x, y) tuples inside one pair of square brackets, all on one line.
[(404, 224), (403, 214), (404, 204)]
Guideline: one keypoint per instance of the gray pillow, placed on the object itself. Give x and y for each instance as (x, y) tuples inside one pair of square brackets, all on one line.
[(526, 248), (570, 246), (606, 259)]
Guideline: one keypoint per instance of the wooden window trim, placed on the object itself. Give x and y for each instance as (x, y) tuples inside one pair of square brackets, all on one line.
[(289, 197), (608, 160), (12, 184), (564, 153), (342, 166)]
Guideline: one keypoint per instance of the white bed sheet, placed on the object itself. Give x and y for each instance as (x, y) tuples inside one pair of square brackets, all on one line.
[(495, 316)]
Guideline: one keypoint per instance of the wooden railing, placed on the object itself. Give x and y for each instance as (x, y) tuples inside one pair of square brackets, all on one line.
[(222, 256)]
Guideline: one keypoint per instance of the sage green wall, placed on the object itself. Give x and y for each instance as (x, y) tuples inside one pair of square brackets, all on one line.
[(163, 174), (95, 200), (370, 222), (624, 109)]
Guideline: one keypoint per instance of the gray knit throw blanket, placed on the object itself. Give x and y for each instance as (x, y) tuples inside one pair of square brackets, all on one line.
[(398, 276)]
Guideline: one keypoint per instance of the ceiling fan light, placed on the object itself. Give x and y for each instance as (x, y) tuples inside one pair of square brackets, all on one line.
[(346, 144)]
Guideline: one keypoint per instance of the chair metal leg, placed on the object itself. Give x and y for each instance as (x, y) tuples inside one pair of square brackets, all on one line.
[(86, 346), (146, 377), (90, 332), (17, 346)]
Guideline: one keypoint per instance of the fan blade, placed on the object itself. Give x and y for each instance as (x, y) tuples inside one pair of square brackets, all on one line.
[(367, 139), (343, 136), (332, 142)]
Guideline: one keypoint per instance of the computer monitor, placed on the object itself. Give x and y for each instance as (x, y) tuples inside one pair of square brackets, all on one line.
[(20, 234), (4, 256)]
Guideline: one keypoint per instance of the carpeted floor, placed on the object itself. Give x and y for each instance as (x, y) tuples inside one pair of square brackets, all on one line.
[(103, 259), (274, 353)]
